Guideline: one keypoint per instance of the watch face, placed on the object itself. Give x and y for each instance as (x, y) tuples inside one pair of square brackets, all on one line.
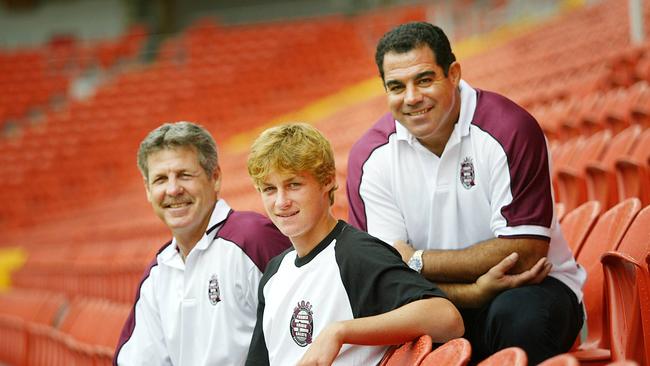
[(416, 264)]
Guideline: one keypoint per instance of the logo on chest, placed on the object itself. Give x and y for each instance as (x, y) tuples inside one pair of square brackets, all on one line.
[(213, 290), (301, 325), (467, 173)]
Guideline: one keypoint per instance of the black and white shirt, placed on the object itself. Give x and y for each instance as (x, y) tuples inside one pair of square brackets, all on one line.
[(349, 275)]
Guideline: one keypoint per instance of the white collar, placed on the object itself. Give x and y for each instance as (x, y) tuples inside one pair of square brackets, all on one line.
[(468, 101), (171, 255)]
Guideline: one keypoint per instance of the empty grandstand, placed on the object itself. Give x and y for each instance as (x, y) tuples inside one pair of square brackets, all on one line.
[(76, 100)]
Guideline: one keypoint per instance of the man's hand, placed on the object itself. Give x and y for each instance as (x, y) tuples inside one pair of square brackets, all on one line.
[(325, 348), (497, 278), (404, 249)]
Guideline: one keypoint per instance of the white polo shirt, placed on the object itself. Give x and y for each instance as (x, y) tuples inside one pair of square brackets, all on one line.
[(202, 311), (492, 180)]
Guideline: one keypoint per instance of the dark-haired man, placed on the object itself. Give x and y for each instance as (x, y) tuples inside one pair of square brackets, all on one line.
[(458, 180)]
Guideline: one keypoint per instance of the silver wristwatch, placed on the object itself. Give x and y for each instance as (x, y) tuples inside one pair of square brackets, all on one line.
[(416, 261)]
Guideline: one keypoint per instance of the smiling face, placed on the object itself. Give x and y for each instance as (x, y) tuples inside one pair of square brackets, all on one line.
[(421, 97), (181, 193), (299, 206)]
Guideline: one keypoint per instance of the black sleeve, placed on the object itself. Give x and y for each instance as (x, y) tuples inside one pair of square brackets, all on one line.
[(258, 354), (375, 277)]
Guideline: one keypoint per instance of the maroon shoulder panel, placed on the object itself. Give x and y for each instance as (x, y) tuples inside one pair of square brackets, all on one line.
[(523, 141), (376, 137)]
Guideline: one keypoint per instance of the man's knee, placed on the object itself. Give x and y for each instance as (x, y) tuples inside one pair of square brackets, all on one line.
[(515, 314), (543, 323)]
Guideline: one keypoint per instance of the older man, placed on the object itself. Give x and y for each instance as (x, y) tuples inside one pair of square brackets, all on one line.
[(197, 302)]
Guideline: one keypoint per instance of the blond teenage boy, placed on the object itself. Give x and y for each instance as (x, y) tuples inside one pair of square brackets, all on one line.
[(339, 296)]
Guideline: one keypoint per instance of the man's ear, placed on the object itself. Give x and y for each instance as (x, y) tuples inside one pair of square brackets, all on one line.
[(146, 189), (454, 73), (216, 176)]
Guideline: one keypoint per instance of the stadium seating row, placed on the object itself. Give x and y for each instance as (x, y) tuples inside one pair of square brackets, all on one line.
[(618, 306), (526, 68), (602, 167), (457, 352), (613, 247), (33, 78), (210, 74), (44, 328)]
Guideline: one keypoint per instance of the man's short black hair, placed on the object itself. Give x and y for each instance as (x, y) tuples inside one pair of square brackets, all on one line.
[(409, 36)]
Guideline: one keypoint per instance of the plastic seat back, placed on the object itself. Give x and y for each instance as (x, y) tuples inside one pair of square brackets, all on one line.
[(408, 354), (511, 356), (578, 223), (605, 236), (456, 352), (564, 359), (632, 175), (560, 211), (601, 177), (571, 179), (627, 286)]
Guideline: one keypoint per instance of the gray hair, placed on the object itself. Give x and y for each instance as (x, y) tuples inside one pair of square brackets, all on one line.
[(179, 134)]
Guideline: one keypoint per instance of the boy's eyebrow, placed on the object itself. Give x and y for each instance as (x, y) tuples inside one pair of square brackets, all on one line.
[(288, 179)]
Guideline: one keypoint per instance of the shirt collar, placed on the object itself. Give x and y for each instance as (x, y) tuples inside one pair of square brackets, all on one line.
[(171, 255), (467, 108)]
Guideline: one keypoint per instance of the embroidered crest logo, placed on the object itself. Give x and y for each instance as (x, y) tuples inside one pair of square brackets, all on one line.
[(213, 290), (301, 325), (467, 173)]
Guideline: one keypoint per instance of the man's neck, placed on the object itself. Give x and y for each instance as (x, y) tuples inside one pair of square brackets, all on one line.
[(186, 241)]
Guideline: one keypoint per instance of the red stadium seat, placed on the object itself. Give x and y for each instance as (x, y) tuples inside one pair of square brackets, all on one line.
[(87, 336), (512, 356), (456, 352), (571, 179), (633, 171), (605, 236), (578, 223), (408, 354), (560, 211), (627, 286), (601, 177), (564, 359)]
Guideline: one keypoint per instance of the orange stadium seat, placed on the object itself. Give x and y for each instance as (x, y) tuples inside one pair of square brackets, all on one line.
[(409, 354), (623, 66), (627, 286), (18, 309), (623, 363), (633, 171), (561, 360), (605, 236), (60, 207), (87, 335), (601, 177), (560, 211), (561, 156), (578, 223), (571, 181), (456, 352), (512, 356)]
